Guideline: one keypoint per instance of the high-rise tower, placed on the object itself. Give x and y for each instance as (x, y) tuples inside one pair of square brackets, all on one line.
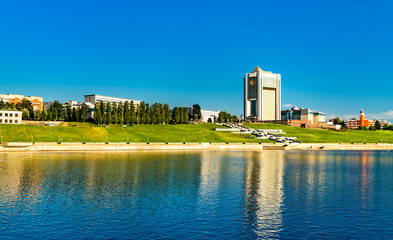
[(262, 95)]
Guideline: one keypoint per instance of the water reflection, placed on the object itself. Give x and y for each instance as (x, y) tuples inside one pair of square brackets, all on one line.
[(193, 195), (264, 192)]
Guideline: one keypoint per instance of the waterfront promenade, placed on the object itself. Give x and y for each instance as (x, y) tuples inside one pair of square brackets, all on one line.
[(90, 146)]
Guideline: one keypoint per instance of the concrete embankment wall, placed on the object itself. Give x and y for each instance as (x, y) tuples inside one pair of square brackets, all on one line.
[(26, 147), (11, 147)]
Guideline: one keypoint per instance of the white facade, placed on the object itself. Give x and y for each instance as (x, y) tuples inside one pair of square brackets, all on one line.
[(206, 115), (98, 98), (10, 117), (262, 95), (75, 104)]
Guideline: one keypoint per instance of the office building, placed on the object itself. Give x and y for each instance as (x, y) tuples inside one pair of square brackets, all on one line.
[(262, 95), (37, 102), (303, 114)]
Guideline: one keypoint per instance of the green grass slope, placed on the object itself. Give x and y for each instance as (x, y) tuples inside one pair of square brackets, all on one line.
[(328, 136), (75, 132)]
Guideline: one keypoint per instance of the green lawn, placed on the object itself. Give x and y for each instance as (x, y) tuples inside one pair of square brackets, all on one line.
[(328, 136), (75, 132)]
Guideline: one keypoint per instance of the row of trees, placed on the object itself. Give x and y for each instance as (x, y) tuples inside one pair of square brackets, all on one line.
[(76, 114), (224, 117), (130, 113), (143, 113)]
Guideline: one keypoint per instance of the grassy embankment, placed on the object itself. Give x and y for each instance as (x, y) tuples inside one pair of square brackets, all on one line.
[(75, 132), (326, 136)]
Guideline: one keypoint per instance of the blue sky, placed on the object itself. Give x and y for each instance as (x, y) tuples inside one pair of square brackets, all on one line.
[(333, 56)]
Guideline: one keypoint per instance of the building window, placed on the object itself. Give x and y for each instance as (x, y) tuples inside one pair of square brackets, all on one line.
[(10, 120), (6, 121), (1, 120), (16, 115), (16, 121), (10, 114), (6, 114)]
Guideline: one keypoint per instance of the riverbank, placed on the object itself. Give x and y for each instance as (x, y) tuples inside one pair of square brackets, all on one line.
[(76, 147)]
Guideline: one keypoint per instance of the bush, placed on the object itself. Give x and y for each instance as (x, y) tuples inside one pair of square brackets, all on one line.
[(372, 128), (362, 128)]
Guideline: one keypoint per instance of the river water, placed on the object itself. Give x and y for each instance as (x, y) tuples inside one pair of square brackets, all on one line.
[(195, 195)]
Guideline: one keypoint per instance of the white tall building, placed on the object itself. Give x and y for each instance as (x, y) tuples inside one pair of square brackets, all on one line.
[(262, 95)]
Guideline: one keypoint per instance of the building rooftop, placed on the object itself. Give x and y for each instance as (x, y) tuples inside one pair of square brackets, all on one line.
[(258, 69)]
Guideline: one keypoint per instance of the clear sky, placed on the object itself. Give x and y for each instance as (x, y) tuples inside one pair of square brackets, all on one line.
[(333, 56)]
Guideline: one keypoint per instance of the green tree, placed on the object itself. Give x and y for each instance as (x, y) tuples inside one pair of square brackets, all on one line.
[(25, 114), (74, 115), (50, 116), (108, 113), (185, 115), (68, 114), (337, 121), (138, 114), (82, 112), (153, 110), (378, 125), (167, 112), (115, 118), (127, 113), (176, 115), (148, 114), (44, 115), (98, 119), (120, 113), (103, 112), (196, 112), (2, 105), (142, 119), (372, 128), (162, 113), (133, 113)]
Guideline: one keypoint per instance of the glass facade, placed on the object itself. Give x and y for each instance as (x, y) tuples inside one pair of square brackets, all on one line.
[(252, 88), (253, 108)]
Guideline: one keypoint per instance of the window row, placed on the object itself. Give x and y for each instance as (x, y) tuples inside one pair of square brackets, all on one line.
[(8, 121), (10, 114)]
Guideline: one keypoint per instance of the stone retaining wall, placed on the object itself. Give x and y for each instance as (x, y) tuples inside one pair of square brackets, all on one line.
[(90, 146)]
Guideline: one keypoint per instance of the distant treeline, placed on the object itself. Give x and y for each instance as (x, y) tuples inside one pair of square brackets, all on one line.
[(113, 113)]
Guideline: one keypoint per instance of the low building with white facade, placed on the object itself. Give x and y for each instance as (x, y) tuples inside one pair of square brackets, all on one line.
[(206, 115), (94, 98), (76, 104), (10, 117)]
